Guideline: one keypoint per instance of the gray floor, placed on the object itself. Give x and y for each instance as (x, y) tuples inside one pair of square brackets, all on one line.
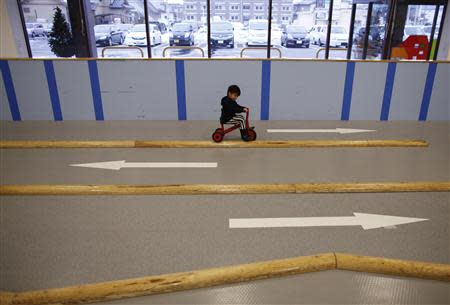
[(59, 241), (253, 165)]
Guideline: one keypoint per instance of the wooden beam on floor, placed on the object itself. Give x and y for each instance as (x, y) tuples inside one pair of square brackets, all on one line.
[(177, 281), (221, 189), (408, 268), (165, 283), (6, 298), (282, 144), (373, 187), (65, 144), (210, 144)]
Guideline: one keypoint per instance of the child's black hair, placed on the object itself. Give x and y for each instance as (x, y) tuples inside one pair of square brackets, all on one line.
[(234, 89)]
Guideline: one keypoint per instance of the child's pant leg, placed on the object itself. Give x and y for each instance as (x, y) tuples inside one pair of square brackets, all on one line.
[(238, 119)]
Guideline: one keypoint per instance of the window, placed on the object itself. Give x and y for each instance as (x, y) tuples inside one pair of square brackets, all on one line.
[(39, 28), (231, 31), (299, 32), (416, 30), (183, 27), (340, 29)]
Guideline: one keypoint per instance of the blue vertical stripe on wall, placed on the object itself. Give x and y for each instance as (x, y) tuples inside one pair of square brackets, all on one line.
[(10, 92), (181, 89), (53, 90), (427, 91), (95, 87), (265, 90), (348, 89), (388, 87)]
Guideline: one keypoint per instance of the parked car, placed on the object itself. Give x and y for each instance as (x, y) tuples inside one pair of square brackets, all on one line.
[(317, 35), (107, 35), (35, 29), (138, 35), (257, 32), (275, 34), (240, 32), (161, 26), (412, 30), (222, 34), (338, 37), (182, 34), (295, 36)]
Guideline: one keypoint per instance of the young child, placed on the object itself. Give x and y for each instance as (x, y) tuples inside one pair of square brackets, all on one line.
[(230, 109)]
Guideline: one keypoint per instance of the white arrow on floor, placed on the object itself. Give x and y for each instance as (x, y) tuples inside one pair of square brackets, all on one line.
[(366, 221), (336, 130), (116, 165)]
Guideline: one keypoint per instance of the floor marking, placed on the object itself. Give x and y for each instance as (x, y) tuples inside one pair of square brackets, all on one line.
[(117, 165), (366, 221)]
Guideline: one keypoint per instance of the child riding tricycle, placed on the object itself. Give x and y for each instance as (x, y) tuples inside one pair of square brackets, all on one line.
[(231, 115)]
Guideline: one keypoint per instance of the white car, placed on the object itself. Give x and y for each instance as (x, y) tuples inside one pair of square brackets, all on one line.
[(138, 35), (240, 32), (317, 35), (275, 35), (257, 32), (338, 37), (412, 30), (35, 29)]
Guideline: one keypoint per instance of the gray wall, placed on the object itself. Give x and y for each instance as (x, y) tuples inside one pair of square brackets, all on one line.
[(207, 83), (440, 105), (138, 90), (306, 90), (30, 84), (5, 114), (299, 90), (74, 89), (368, 90)]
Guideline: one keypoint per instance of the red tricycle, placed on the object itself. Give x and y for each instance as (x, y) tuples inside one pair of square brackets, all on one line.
[(247, 136)]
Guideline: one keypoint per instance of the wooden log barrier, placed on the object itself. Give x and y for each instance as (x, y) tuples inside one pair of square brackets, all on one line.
[(389, 266), (172, 282), (221, 189), (209, 144), (176, 281)]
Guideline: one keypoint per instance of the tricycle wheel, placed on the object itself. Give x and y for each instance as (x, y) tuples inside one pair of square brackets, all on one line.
[(251, 135), (217, 136)]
